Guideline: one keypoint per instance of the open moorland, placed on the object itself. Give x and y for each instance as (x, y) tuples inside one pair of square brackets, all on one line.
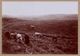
[(65, 27)]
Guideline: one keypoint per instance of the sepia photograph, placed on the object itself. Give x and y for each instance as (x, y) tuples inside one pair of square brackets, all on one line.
[(39, 27)]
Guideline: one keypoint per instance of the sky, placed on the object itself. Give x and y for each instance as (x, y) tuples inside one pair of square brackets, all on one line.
[(37, 8)]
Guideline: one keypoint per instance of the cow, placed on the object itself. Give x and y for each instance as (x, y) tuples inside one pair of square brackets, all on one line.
[(55, 37), (13, 35), (19, 38), (23, 38), (38, 34), (26, 39), (7, 34)]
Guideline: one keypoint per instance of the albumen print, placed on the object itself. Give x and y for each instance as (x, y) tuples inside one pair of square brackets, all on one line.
[(40, 27)]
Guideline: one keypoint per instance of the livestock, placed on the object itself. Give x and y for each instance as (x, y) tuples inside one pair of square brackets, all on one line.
[(19, 38), (23, 38), (33, 28), (26, 39), (55, 38), (13, 35), (38, 34), (7, 34)]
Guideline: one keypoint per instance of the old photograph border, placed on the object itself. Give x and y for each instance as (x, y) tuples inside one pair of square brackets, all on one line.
[(38, 54), (40, 0)]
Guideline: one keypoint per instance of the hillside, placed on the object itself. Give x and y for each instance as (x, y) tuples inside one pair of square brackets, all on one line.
[(65, 26)]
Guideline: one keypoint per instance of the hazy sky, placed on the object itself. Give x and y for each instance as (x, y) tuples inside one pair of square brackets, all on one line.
[(20, 8)]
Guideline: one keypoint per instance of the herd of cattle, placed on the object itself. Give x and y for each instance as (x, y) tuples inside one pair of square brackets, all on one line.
[(18, 37), (25, 38)]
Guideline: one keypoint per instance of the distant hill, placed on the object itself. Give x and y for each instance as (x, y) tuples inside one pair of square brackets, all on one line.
[(48, 17)]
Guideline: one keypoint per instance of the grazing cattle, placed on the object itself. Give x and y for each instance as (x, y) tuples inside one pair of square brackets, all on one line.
[(32, 26), (38, 34), (19, 37), (13, 35), (23, 38), (27, 39), (7, 34), (55, 37)]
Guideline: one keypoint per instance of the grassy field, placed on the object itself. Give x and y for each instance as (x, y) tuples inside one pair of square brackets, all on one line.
[(68, 29)]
